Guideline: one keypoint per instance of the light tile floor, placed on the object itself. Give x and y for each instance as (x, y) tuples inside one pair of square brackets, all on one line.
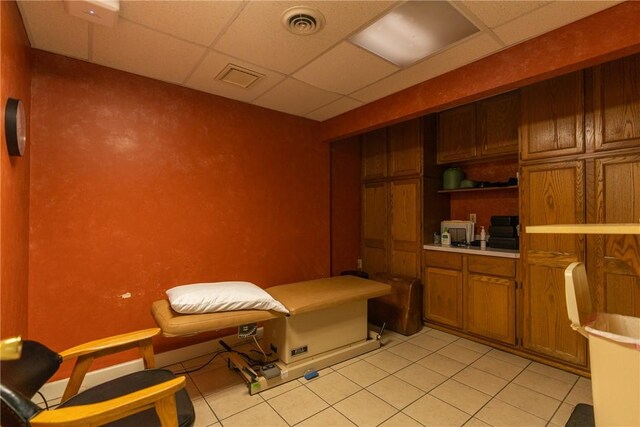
[(428, 379)]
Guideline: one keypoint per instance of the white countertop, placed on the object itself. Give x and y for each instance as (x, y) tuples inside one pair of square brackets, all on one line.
[(475, 250)]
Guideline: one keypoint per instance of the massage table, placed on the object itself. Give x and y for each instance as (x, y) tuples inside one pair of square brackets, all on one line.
[(326, 324)]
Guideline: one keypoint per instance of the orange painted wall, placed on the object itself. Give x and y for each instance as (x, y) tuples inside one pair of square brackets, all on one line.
[(15, 76), (139, 185), (345, 205)]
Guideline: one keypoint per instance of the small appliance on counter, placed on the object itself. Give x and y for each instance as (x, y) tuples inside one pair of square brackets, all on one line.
[(504, 232), (460, 232)]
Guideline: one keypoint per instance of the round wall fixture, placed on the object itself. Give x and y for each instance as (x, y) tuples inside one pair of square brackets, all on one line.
[(303, 21)]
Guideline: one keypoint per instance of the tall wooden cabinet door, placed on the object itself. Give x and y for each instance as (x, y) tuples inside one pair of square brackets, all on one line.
[(443, 296), (615, 91), (457, 134), (374, 154), (374, 227), (551, 193), (552, 117), (490, 307), (498, 121), (617, 201), (405, 233), (405, 148)]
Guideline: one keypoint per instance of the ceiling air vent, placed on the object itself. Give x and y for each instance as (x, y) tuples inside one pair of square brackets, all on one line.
[(239, 76), (302, 21)]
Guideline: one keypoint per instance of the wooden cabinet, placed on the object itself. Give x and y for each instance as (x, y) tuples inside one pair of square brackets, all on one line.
[(374, 227), (405, 233), (457, 134), (490, 298), (498, 120), (551, 193), (392, 199), (613, 100), (484, 129), (552, 118), (617, 198), (443, 288), (374, 155), (405, 149), (475, 293)]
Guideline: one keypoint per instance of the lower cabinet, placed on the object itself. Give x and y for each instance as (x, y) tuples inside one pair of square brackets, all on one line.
[(443, 299), (474, 293)]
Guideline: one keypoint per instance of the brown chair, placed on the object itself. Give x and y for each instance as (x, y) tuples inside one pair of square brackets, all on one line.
[(151, 397), (401, 310)]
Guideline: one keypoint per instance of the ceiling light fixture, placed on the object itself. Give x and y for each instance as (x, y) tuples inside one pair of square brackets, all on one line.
[(103, 12), (413, 31), (303, 21)]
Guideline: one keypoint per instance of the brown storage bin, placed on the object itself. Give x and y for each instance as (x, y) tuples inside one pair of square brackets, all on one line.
[(402, 309)]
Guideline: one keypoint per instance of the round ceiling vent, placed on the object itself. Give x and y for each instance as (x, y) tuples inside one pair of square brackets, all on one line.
[(302, 21)]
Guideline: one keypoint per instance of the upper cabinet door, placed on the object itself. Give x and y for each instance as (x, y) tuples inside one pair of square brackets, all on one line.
[(405, 148), (553, 118), (374, 154), (457, 134), (498, 120), (615, 91)]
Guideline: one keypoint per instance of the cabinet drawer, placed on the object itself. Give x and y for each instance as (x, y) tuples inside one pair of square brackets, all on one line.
[(491, 265), (443, 260)]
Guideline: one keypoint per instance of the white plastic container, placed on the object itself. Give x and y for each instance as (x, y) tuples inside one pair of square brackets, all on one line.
[(614, 350), (446, 238)]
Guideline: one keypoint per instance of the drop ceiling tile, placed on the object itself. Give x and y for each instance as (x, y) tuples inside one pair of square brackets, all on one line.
[(139, 50), (494, 13), (257, 30), (204, 78), (52, 29), (345, 69), (295, 97), (336, 108), (547, 18), (470, 50), (194, 21)]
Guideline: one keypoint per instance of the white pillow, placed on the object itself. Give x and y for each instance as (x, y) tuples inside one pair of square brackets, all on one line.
[(221, 296)]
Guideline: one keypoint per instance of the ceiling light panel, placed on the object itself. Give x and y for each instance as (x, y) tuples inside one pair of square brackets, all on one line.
[(413, 31)]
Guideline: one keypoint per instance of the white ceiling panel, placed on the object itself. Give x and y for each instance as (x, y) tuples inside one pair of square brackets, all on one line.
[(494, 13), (136, 49), (548, 18), (336, 108), (204, 78), (194, 21), (319, 76), (295, 97), (345, 69), (50, 28), (258, 36), (463, 53)]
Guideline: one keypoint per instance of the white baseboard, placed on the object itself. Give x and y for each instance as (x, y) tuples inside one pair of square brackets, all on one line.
[(53, 391)]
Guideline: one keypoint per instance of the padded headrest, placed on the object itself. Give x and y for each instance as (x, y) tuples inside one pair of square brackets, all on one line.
[(28, 374)]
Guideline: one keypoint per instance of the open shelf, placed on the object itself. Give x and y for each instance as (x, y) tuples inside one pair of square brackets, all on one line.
[(464, 190)]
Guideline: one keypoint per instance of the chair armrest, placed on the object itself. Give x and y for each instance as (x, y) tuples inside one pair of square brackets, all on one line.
[(111, 344), (162, 396), (88, 352)]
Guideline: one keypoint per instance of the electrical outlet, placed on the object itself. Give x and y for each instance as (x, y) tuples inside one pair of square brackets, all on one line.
[(472, 218)]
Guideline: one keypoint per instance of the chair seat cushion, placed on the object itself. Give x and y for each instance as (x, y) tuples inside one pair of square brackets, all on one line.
[(129, 384)]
